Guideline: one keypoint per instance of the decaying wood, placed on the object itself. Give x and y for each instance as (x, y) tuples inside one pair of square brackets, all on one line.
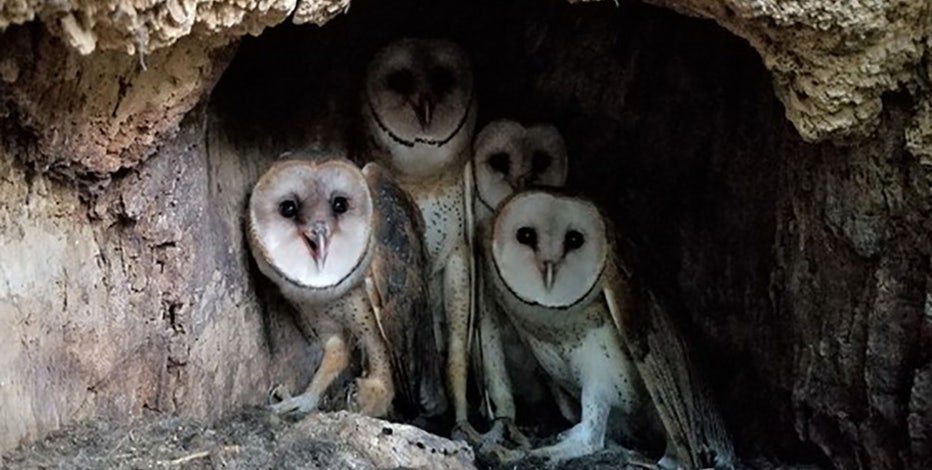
[(387, 445)]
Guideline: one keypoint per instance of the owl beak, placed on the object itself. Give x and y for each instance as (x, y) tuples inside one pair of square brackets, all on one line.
[(318, 239), (520, 182), (423, 110), (548, 272)]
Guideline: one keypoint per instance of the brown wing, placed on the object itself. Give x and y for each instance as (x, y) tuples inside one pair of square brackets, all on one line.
[(484, 304), (662, 357), (398, 271), (469, 186)]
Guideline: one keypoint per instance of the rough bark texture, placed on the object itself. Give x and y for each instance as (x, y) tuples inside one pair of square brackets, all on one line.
[(92, 116), (831, 61), (112, 108), (139, 299), (801, 267), (141, 27)]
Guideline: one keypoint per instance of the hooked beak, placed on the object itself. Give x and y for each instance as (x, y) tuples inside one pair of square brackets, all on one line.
[(520, 182), (548, 271), (318, 239), (423, 109)]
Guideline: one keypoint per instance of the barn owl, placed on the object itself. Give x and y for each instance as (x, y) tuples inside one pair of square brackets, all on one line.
[(343, 245), (509, 157), (554, 274), (419, 107)]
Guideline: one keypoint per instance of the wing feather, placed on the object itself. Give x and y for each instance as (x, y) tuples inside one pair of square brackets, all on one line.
[(399, 287), (662, 357), (469, 186)]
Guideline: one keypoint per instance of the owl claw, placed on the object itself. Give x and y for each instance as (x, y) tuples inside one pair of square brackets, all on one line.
[(517, 436), (301, 404), (463, 431), (503, 456), (504, 429), (575, 442), (491, 445), (278, 393), (352, 394), (575, 433), (668, 462)]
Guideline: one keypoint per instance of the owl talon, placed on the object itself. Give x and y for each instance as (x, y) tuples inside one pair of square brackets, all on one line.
[(567, 434), (463, 431), (491, 443), (520, 439), (668, 463), (577, 441), (301, 404), (278, 393), (516, 436), (352, 394), (504, 429), (502, 455)]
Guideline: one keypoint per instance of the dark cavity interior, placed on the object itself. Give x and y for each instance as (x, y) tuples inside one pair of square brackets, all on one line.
[(671, 125)]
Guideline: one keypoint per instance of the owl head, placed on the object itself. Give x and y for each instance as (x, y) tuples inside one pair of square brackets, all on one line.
[(509, 157), (310, 222), (419, 104), (549, 249)]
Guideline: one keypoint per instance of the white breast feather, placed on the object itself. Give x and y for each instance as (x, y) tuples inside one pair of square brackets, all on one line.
[(582, 349), (444, 221)]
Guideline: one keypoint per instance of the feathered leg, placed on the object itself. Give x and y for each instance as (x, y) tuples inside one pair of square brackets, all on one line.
[(335, 360), (587, 436), (456, 299), (495, 374), (375, 391)]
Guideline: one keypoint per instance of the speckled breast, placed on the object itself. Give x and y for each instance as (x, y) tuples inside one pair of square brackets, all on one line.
[(444, 221)]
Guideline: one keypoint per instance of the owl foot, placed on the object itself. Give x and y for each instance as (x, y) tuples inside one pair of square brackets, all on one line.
[(371, 397), (504, 429), (575, 442), (501, 455), (463, 431), (669, 462), (278, 393), (491, 445), (571, 433), (282, 403)]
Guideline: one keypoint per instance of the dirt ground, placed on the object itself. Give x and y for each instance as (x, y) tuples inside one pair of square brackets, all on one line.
[(251, 438)]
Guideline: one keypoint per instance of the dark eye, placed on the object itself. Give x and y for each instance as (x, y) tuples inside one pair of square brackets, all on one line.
[(500, 162), (339, 205), (527, 236), (540, 161), (573, 240), (401, 81), (442, 80), (288, 209)]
